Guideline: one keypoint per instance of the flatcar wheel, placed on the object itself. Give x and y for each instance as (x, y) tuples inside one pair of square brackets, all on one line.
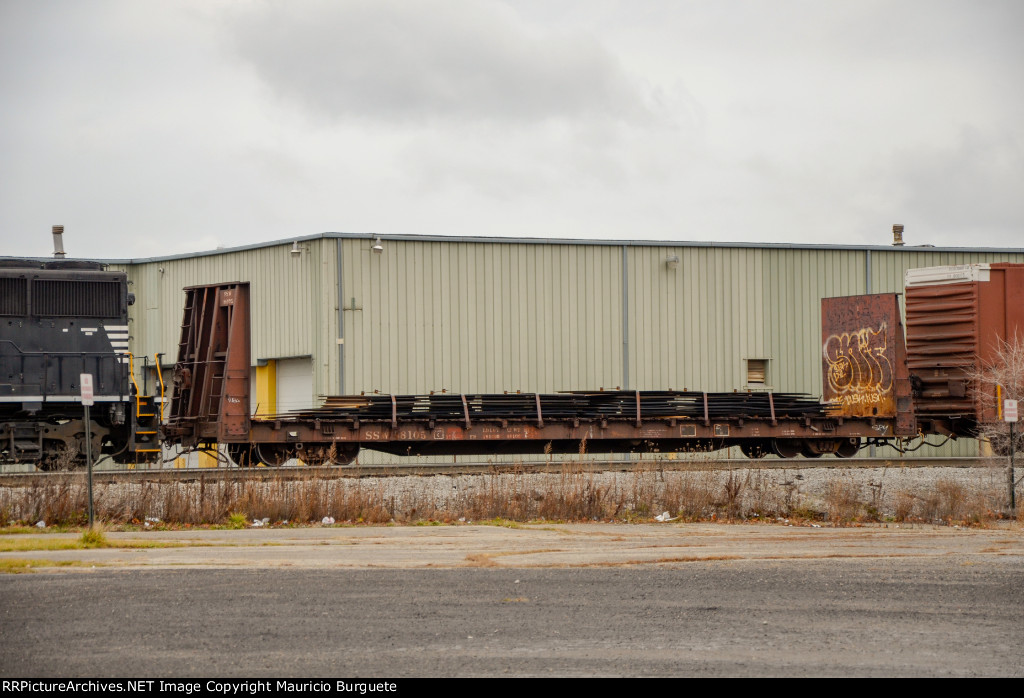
[(272, 454), (329, 455), (316, 456), (848, 448), (808, 451), (787, 448), (241, 455), (754, 449), (342, 455)]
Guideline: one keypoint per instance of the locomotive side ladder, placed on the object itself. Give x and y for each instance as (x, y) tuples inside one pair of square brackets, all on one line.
[(144, 438)]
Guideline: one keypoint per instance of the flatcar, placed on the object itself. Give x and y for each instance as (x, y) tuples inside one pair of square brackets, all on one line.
[(882, 385)]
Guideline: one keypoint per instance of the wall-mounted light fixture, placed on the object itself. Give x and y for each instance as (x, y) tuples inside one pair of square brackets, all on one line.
[(296, 249), (672, 261), (377, 247)]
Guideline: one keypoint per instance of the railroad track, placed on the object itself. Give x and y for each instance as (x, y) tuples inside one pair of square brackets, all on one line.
[(22, 479)]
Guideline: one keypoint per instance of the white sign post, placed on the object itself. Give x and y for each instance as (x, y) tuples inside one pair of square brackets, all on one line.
[(1010, 411), (85, 380), (1010, 415)]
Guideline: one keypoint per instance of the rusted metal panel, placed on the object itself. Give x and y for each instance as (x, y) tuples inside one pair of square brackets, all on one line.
[(211, 375), (957, 316), (234, 407), (864, 359)]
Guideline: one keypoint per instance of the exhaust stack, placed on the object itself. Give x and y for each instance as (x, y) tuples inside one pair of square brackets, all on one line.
[(58, 241), (897, 235)]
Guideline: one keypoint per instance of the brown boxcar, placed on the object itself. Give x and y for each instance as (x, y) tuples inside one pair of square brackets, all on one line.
[(957, 316)]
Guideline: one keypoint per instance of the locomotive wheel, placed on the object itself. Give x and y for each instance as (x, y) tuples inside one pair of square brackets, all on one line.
[(59, 456), (787, 448), (848, 448)]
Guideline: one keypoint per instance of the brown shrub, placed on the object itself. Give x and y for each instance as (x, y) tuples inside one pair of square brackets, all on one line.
[(842, 501), (903, 506)]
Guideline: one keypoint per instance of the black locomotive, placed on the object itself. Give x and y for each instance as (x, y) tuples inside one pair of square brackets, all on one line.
[(58, 320)]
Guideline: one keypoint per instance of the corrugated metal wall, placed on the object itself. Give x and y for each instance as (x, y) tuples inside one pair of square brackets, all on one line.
[(482, 316), (294, 300), (888, 267), (691, 325)]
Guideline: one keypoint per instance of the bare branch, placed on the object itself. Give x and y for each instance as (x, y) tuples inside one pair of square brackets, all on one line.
[(1001, 378)]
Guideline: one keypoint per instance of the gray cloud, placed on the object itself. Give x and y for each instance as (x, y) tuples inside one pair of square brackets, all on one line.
[(967, 190), (168, 127), (398, 60)]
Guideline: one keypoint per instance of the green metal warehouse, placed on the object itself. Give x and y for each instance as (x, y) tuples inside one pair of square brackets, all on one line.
[(341, 313)]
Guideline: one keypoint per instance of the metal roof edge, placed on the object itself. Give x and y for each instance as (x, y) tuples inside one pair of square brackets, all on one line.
[(552, 241)]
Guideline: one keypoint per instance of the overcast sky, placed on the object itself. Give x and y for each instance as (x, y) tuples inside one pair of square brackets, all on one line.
[(153, 128)]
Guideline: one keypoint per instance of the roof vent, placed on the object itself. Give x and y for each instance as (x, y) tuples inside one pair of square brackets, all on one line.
[(897, 235), (58, 241)]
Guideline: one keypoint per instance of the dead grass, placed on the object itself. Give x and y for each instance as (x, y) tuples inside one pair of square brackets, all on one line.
[(904, 506), (697, 558), (505, 499), (843, 501), (690, 495), (95, 537), (20, 544), (480, 560), (16, 565)]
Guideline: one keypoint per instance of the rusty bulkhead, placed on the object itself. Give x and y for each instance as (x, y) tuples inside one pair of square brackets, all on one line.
[(864, 360)]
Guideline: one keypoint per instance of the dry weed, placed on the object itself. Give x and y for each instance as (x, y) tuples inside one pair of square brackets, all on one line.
[(690, 495), (903, 507), (574, 494), (732, 492), (842, 501)]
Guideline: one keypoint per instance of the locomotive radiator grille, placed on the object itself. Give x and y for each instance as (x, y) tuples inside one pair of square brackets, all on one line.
[(13, 296), (65, 298)]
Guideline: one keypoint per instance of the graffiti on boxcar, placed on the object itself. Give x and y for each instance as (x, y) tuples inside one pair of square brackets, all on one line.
[(859, 372)]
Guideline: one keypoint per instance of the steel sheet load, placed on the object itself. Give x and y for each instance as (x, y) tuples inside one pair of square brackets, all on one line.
[(581, 405)]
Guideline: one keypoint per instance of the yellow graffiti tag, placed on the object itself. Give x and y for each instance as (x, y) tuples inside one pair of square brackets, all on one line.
[(859, 372), (865, 398)]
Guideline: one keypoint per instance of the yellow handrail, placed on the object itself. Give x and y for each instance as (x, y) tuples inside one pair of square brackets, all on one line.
[(131, 372), (160, 375)]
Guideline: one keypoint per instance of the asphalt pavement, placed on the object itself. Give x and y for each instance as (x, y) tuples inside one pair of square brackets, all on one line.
[(601, 600)]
